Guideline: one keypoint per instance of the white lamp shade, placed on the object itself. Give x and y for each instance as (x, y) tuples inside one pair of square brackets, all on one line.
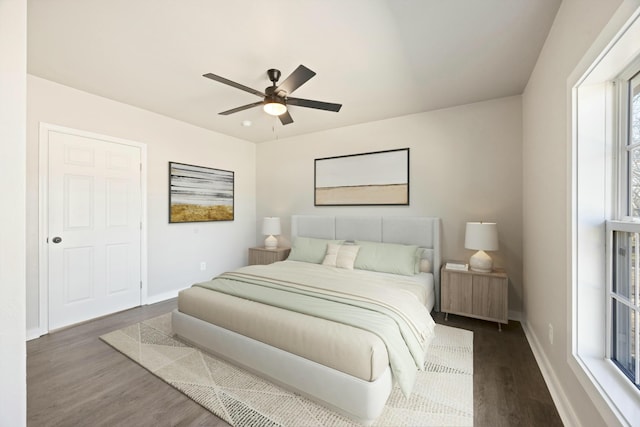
[(271, 226), (481, 236)]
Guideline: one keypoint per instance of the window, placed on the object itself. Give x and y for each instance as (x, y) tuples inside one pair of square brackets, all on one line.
[(630, 117), (623, 305), (604, 252), (623, 312)]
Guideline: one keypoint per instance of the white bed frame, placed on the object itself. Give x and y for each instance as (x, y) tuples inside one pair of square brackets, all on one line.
[(351, 396)]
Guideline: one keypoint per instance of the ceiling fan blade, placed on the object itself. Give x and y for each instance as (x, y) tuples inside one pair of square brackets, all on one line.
[(296, 79), (314, 104), (234, 84), (244, 107), (285, 118)]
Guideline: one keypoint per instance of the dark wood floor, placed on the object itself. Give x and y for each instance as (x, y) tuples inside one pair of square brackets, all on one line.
[(74, 379), (508, 387)]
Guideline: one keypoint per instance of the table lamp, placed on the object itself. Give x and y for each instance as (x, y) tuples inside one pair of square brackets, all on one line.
[(481, 236), (271, 228)]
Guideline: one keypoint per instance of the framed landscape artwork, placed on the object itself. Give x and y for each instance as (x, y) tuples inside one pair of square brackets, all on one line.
[(197, 193), (378, 178)]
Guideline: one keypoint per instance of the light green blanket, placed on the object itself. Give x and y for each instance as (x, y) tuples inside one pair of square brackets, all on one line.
[(351, 297)]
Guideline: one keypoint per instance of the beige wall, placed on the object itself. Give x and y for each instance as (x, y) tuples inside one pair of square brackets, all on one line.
[(175, 251), (465, 165), (546, 193), (13, 94)]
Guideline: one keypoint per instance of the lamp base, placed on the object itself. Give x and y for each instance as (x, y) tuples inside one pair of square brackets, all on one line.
[(270, 242), (481, 262)]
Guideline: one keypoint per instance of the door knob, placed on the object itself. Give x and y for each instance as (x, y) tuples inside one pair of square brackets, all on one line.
[(56, 239)]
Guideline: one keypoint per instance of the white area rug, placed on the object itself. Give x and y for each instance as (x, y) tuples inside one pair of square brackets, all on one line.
[(442, 396)]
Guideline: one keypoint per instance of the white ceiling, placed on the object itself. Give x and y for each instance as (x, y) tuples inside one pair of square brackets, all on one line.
[(379, 58)]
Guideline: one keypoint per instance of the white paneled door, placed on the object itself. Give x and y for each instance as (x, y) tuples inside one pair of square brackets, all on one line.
[(94, 227)]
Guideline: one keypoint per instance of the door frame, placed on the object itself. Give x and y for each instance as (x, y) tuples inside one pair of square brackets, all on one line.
[(43, 214)]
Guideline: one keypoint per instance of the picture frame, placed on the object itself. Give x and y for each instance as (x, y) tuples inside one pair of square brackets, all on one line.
[(200, 194), (379, 178)]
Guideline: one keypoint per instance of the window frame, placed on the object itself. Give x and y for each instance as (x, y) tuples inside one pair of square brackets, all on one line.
[(613, 226), (620, 90), (594, 186)]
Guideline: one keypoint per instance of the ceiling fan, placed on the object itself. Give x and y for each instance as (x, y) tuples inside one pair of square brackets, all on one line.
[(276, 98)]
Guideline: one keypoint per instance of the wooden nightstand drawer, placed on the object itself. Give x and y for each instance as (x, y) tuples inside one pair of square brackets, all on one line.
[(456, 295), (265, 256), (480, 295)]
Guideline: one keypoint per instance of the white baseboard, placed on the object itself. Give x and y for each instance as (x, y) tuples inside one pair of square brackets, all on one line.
[(34, 333), (152, 299), (559, 397)]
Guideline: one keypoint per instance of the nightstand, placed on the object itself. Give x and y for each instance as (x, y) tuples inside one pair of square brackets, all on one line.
[(473, 294), (267, 256)]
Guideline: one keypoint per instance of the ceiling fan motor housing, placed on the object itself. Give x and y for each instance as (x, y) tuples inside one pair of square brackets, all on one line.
[(274, 75)]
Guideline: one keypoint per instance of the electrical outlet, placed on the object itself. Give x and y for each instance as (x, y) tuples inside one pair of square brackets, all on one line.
[(203, 266), (550, 334)]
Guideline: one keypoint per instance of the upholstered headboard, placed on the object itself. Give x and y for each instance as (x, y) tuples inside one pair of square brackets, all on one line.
[(420, 231)]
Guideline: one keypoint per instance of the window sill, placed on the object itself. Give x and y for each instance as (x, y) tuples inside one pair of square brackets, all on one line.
[(612, 387)]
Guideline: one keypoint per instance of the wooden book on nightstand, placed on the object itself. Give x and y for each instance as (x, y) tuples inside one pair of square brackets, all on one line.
[(263, 256), (474, 294)]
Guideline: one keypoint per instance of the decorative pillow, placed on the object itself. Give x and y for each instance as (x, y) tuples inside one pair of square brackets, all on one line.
[(418, 258), (425, 265), (387, 258), (308, 249), (341, 256)]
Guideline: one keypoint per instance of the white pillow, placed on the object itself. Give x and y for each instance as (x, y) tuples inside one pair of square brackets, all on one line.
[(341, 256)]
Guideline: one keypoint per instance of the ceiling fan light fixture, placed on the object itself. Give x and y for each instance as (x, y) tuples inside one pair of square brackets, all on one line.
[(274, 107), (275, 98)]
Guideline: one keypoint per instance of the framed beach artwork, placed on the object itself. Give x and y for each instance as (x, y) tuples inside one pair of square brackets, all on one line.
[(197, 193), (378, 178)]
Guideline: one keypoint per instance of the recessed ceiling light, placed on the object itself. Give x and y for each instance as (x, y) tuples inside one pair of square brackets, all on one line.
[(246, 123)]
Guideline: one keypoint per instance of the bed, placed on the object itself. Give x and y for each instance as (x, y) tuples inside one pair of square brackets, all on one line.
[(302, 342)]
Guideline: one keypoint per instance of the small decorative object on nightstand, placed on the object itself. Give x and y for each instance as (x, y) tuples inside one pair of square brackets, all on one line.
[(271, 228), (475, 294), (481, 236), (265, 256)]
